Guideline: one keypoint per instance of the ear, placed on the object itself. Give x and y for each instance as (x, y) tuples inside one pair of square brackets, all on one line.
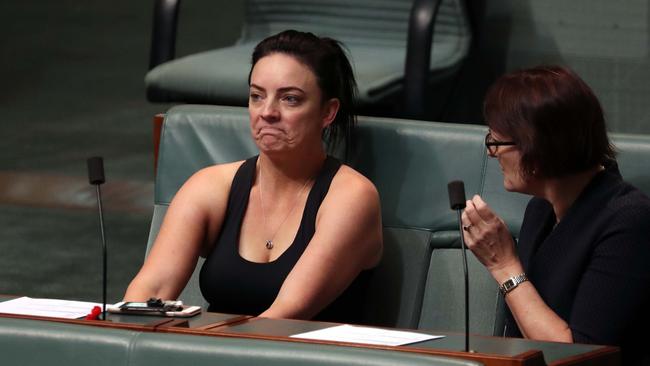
[(330, 108)]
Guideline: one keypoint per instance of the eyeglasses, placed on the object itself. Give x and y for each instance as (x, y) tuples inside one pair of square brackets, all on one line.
[(492, 145)]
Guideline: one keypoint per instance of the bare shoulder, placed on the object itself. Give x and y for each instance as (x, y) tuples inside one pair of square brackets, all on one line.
[(349, 184), (218, 171), (351, 196), (215, 179)]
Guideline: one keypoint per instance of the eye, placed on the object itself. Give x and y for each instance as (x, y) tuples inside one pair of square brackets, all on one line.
[(254, 96), (291, 99)]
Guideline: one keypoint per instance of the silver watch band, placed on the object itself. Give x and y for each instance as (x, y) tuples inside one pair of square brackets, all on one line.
[(512, 283)]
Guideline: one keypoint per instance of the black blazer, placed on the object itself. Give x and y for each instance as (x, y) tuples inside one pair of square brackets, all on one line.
[(593, 268)]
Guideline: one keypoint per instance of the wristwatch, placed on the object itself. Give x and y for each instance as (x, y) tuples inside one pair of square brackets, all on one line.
[(512, 283)]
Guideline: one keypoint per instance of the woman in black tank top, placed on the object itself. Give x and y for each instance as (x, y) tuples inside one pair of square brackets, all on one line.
[(291, 232)]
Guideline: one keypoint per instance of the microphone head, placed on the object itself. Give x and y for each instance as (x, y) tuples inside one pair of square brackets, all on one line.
[(96, 170), (456, 189)]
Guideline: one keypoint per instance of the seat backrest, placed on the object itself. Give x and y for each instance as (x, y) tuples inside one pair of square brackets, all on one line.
[(411, 163), (374, 32), (633, 154), (368, 22)]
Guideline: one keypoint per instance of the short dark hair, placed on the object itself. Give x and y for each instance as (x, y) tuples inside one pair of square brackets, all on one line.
[(326, 58), (553, 116)]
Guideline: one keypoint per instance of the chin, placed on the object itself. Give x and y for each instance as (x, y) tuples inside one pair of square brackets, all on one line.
[(273, 149), (510, 187)]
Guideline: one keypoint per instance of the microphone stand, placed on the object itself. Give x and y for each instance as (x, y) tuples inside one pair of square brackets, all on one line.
[(96, 178), (104, 253), (456, 191), (465, 272)]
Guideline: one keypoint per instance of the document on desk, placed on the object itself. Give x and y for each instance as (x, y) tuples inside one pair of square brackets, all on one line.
[(47, 307), (366, 335)]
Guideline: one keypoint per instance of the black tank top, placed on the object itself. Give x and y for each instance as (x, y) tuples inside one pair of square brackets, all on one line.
[(232, 284)]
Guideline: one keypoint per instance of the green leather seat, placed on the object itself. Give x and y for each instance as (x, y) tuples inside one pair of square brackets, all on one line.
[(37, 343), (155, 349), (375, 32)]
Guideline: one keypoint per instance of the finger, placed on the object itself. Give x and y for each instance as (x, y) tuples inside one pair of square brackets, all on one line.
[(466, 232), (466, 223), (472, 213), (482, 208), (464, 219)]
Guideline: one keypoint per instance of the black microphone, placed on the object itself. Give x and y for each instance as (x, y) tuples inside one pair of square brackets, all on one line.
[(96, 178), (456, 191)]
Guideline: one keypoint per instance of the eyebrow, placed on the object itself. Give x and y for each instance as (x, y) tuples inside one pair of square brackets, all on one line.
[(281, 90)]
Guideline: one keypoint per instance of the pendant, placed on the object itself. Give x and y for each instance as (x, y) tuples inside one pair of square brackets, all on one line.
[(269, 244)]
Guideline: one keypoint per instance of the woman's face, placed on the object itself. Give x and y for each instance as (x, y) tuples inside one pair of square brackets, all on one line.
[(285, 105), (510, 159)]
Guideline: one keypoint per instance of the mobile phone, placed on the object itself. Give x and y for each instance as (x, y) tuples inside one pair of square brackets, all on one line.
[(140, 306), (144, 308)]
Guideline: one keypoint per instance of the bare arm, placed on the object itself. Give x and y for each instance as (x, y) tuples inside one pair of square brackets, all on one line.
[(348, 239), (489, 239), (191, 224)]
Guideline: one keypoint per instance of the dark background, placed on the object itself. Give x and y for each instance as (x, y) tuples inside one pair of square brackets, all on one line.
[(72, 87)]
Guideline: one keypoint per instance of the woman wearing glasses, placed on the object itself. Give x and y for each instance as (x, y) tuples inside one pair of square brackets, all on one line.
[(581, 270)]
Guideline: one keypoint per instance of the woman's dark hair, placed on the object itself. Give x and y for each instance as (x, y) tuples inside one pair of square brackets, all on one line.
[(553, 116), (327, 60)]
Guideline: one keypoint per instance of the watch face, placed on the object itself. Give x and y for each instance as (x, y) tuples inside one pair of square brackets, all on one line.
[(511, 283)]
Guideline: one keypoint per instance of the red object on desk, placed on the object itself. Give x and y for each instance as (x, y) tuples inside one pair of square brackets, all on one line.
[(94, 313)]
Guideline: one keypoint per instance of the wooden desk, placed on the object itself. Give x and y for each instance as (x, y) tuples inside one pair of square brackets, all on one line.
[(491, 351)]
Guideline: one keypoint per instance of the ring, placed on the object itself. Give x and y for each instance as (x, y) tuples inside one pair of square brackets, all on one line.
[(466, 228)]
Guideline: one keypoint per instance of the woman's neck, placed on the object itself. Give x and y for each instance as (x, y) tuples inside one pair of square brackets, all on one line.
[(562, 192), (283, 173)]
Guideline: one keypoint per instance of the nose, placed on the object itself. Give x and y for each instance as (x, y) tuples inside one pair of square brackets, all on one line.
[(270, 111)]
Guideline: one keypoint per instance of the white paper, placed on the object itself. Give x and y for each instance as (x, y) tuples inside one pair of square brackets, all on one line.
[(47, 307), (366, 335)]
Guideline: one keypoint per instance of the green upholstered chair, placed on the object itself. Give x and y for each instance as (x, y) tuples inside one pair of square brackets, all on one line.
[(399, 48)]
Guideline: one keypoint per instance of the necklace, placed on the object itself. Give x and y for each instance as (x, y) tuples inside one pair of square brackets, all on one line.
[(269, 242)]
